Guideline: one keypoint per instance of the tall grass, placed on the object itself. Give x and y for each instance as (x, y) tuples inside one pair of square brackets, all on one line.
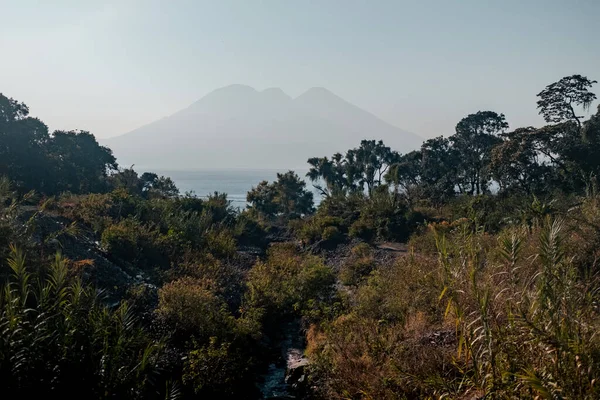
[(57, 337), (504, 317)]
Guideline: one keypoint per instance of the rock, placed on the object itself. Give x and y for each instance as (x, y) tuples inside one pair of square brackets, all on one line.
[(295, 375)]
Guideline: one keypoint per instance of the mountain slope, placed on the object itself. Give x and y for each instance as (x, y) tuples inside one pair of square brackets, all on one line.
[(240, 127)]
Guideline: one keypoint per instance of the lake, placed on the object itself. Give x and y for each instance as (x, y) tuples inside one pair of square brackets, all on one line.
[(235, 182)]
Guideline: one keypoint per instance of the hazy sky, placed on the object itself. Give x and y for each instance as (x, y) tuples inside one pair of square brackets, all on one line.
[(111, 66)]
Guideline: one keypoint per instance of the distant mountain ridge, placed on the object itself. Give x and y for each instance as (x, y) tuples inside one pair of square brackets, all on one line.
[(239, 127)]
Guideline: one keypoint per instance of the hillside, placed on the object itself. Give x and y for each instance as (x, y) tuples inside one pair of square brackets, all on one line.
[(240, 127)]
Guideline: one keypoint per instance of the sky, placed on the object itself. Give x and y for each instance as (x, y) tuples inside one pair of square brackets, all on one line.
[(111, 66)]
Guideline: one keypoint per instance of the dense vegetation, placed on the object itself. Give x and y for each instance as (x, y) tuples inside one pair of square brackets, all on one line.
[(465, 269)]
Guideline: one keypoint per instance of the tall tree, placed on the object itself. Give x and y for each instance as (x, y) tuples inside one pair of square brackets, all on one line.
[(158, 186), (406, 172), (372, 158), (23, 146), (518, 165), (475, 136), (82, 164), (286, 198), (328, 172), (558, 100), (439, 169)]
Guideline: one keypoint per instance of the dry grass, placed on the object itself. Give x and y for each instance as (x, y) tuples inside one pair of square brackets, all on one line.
[(506, 316)]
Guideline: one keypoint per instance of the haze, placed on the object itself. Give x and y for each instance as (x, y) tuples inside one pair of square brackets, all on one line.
[(111, 67)]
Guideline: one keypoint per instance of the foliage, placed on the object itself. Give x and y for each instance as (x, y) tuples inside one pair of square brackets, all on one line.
[(384, 216), (149, 185), (504, 317), (318, 227), (191, 307), (286, 198), (132, 242), (214, 370), (57, 334), (497, 296), (288, 282), (557, 100), (361, 168), (49, 163), (476, 135), (358, 265), (64, 161)]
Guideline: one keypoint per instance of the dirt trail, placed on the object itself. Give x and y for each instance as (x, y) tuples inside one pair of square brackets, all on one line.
[(393, 246)]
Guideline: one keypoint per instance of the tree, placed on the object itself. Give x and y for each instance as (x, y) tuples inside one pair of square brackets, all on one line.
[(439, 169), (517, 164), (360, 167), (293, 198), (127, 179), (557, 100), (329, 172), (23, 146), (82, 164), (64, 161), (262, 199), (475, 136), (372, 159), (287, 197), (406, 172), (158, 186)]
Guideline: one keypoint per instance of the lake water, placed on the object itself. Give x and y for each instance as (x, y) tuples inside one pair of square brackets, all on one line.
[(235, 182)]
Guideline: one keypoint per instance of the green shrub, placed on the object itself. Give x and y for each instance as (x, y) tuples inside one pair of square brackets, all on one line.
[(122, 240), (190, 306), (220, 243), (331, 234), (287, 281), (137, 244), (249, 232), (227, 279), (57, 338), (363, 229), (361, 250), (217, 370), (315, 228), (358, 265), (352, 272)]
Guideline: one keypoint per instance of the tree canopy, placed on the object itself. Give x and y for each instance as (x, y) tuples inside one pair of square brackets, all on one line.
[(558, 100), (286, 197)]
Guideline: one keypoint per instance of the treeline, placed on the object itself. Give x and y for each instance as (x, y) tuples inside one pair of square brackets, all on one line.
[(495, 296), (62, 161), (483, 156), (483, 164)]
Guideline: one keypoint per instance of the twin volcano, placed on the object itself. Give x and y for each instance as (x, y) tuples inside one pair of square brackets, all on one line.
[(240, 127)]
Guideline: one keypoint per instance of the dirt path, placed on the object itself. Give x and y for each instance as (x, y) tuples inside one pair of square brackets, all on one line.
[(393, 246)]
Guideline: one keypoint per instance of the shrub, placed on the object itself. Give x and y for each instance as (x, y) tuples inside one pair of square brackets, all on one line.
[(287, 282), (220, 243), (249, 232), (190, 307), (358, 265), (361, 250), (331, 234), (363, 229), (315, 228), (358, 357), (216, 370), (93, 210), (136, 244), (227, 280), (122, 240), (503, 317), (57, 338)]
